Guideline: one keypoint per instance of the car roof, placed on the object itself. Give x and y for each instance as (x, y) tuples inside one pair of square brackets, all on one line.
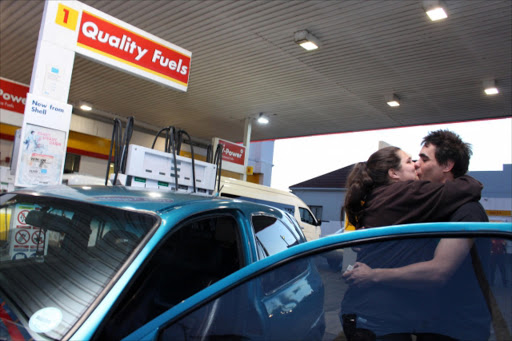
[(154, 200)]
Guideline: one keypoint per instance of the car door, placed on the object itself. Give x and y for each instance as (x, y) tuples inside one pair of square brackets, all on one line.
[(477, 308), (198, 252)]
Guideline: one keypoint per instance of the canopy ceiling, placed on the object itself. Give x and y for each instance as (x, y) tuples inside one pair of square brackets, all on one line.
[(245, 61)]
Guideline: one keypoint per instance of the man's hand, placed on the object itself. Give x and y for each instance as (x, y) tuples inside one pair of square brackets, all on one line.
[(360, 276)]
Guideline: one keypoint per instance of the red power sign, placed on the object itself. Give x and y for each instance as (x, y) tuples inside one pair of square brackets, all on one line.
[(233, 152), (13, 95)]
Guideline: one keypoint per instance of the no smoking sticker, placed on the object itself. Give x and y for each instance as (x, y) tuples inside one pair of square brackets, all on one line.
[(22, 237)]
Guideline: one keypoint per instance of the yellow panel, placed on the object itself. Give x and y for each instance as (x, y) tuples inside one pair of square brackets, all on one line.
[(67, 17), (503, 213), (79, 143), (5, 218), (254, 178), (196, 156), (9, 130), (88, 143), (229, 174)]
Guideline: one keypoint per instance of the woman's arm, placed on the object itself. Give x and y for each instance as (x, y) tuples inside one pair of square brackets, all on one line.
[(448, 256)]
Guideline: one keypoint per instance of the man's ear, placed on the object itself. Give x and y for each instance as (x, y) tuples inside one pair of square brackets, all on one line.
[(393, 175), (448, 166)]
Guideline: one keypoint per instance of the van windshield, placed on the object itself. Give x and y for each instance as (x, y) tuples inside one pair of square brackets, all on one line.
[(57, 256)]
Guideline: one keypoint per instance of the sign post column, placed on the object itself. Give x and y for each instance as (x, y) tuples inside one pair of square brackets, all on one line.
[(70, 27), (45, 127)]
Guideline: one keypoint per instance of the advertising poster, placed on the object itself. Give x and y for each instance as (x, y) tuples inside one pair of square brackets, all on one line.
[(42, 153)]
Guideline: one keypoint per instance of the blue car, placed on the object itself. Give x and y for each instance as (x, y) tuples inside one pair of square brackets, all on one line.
[(275, 291), (102, 262)]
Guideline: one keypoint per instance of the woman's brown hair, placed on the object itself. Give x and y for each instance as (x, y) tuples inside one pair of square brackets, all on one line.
[(364, 177)]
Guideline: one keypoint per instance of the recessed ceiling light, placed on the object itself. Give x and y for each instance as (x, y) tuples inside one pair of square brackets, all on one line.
[(437, 14), (262, 119), (393, 100), (85, 107), (435, 10), (491, 91), (306, 40), (490, 87)]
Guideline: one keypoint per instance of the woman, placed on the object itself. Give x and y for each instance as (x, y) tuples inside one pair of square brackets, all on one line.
[(385, 191)]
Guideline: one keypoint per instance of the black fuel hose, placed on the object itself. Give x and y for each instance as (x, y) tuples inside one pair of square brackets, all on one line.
[(180, 134), (119, 147), (217, 160)]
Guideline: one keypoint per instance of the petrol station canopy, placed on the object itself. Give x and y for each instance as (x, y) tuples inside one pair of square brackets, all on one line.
[(245, 62)]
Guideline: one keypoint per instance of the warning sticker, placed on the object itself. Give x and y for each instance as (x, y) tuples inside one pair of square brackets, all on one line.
[(37, 237), (21, 217), (25, 239), (22, 236), (19, 255)]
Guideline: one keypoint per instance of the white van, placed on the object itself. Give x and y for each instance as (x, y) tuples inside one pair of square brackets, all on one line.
[(233, 188)]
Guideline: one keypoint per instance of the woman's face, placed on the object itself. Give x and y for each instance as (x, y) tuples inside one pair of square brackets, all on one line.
[(407, 169)]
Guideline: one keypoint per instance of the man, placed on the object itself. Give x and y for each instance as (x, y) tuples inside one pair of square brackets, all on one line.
[(443, 157), (463, 313)]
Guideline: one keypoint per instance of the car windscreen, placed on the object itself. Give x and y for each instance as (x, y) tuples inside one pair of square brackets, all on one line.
[(57, 256)]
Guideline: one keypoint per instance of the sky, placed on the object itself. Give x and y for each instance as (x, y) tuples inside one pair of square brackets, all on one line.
[(303, 158)]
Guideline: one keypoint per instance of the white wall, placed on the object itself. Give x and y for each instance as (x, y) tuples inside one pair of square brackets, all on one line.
[(331, 200), (93, 166), (261, 155)]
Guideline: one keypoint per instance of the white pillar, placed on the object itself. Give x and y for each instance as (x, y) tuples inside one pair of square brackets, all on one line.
[(247, 142)]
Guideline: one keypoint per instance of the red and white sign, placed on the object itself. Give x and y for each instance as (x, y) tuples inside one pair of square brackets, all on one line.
[(233, 155), (123, 46), (13, 95), (233, 152), (22, 236), (38, 237), (21, 217)]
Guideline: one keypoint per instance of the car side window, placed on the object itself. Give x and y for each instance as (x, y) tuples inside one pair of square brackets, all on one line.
[(272, 235), (195, 255)]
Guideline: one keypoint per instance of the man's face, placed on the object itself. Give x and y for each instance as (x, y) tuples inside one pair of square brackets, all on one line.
[(427, 166)]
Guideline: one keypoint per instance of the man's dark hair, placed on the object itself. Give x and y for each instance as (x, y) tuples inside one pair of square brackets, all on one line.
[(450, 147)]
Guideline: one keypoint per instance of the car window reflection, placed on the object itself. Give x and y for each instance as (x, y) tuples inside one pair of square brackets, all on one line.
[(307, 299), (272, 235)]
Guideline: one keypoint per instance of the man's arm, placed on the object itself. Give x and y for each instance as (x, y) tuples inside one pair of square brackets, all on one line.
[(448, 256)]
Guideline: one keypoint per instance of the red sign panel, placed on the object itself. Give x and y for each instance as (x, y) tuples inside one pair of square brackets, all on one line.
[(120, 44), (13, 95), (233, 152)]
